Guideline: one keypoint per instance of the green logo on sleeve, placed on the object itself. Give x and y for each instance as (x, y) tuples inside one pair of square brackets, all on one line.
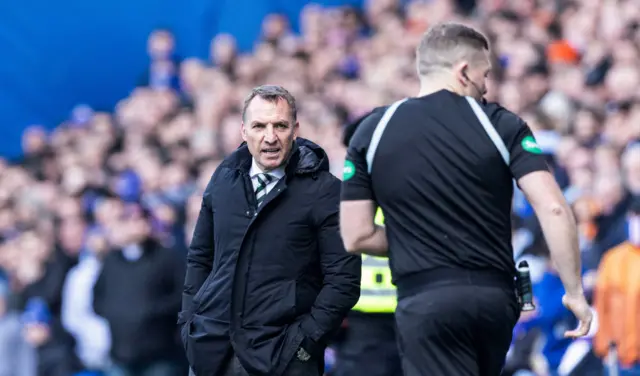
[(348, 171), (529, 144)]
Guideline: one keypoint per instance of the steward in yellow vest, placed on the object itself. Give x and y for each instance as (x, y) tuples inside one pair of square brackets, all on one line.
[(369, 346), (377, 293)]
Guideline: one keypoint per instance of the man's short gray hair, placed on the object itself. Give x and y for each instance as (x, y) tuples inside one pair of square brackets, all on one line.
[(446, 44), (271, 93)]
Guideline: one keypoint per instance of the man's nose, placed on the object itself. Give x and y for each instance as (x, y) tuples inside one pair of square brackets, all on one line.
[(270, 135)]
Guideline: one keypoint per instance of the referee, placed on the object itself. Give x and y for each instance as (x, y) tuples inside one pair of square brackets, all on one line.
[(441, 166)]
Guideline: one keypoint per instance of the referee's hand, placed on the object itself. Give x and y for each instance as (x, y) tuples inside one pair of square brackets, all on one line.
[(580, 308)]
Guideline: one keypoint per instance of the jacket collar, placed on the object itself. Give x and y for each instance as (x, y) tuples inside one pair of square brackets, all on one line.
[(306, 158)]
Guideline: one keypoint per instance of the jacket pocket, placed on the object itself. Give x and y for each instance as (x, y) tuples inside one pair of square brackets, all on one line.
[(195, 302), (206, 344), (271, 305)]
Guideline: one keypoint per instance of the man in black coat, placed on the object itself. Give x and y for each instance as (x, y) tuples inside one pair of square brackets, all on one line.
[(138, 294), (268, 278)]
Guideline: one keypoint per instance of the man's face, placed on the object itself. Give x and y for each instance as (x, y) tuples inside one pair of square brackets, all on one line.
[(269, 132)]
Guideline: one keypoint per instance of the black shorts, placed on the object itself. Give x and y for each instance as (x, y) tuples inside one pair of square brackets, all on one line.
[(459, 330)]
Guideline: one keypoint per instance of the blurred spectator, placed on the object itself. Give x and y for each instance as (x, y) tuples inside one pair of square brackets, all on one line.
[(91, 332), (42, 277), (224, 54), (161, 45), (164, 62), (41, 332), (613, 201), (17, 357), (631, 168), (139, 293), (617, 298)]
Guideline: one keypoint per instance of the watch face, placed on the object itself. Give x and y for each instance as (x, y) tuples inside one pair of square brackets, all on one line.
[(303, 355)]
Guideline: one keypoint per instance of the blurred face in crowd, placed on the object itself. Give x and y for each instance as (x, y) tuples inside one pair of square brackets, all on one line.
[(609, 191), (68, 207), (605, 159), (72, 235), (131, 228), (585, 126), (631, 164), (579, 158), (74, 180), (622, 82), (536, 85), (191, 70), (274, 27), (6, 220), (223, 49), (34, 140), (581, 178), (510, 96), (34, 246), (138, 227), (231, 139), (161, 44), (269, 132), (97, 243), (108, 212)]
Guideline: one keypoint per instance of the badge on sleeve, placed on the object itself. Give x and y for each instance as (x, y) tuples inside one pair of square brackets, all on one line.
[(349, 170), (529, 144)]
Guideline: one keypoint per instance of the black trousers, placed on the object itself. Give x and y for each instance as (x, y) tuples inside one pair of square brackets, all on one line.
[(461, 330), (369, 347)]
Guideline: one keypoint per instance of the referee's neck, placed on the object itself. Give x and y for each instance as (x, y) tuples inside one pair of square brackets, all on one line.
[(430, 85)]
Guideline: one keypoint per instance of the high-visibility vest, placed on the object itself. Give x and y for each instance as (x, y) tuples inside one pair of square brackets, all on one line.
[(377, 293)]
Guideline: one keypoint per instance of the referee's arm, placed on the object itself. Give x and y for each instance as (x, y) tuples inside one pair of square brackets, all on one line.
[(359, 232), (528, 167)]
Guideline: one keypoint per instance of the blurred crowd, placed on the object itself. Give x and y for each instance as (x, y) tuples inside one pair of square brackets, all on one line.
[(96, 218)]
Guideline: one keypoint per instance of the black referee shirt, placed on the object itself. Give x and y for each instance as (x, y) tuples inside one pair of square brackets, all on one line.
[(444, 187)]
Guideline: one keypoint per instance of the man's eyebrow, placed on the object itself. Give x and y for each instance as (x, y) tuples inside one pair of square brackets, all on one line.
[(281, 122)]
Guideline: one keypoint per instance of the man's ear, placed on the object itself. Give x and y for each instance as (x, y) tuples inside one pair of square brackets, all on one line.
[(296, 128), (461, 71), (243, 132)]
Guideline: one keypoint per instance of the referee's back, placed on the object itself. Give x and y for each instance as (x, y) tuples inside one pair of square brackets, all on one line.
[(442, 166), (443, 184)]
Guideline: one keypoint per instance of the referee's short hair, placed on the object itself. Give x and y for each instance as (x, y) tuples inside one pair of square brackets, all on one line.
[(446, 44)]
